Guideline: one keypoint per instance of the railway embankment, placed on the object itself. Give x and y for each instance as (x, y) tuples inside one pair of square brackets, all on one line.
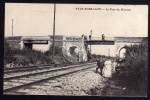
[(14, 57)]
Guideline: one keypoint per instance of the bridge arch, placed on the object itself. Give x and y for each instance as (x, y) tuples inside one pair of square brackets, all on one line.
[(74, 51), (121, 51)]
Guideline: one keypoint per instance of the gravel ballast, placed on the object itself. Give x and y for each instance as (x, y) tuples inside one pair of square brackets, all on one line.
[(80, 83)]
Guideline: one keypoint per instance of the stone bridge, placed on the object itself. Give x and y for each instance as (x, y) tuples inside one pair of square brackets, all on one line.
[(74, 48), (118, 42), (121, 42)]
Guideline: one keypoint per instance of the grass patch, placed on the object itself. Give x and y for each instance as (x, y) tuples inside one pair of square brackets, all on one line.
[(26, 57)]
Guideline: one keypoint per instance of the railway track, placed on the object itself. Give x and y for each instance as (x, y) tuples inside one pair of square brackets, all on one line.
[(42, 69), (41, 72), (30, 68), (25, 69), (19, 69), (23, 81)]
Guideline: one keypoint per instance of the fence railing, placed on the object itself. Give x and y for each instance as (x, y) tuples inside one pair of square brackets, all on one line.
[(35, 38), (100, 38)]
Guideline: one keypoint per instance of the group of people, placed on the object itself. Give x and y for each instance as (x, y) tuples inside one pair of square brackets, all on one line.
[(106, 67)]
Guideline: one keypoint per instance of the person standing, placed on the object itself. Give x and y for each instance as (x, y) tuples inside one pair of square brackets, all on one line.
[(107, 70), (114, 64), (103, 37), (100, 65)]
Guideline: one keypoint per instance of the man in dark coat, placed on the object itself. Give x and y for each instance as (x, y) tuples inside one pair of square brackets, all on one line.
[(100, 65)]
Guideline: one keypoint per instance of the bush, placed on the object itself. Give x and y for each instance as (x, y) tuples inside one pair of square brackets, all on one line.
[(58, 56), (7, 49), (58, 50), (7, 53), (135, 76), (26, 57)]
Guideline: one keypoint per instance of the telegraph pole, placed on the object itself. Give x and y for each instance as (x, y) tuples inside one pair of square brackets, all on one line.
[(54, 34), (108, 52), (12, 27), (90, 39)]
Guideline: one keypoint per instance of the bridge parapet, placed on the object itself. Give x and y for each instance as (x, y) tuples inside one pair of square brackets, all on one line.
[(129, 39), (100, 38), (35, 38)]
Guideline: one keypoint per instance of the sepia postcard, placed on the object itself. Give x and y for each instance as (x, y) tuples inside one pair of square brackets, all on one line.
[(75, 49)]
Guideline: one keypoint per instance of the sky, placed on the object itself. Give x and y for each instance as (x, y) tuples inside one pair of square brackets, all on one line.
[(76, 19)]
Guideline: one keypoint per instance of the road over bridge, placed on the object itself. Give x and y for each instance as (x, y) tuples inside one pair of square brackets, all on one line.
[(74, 48)]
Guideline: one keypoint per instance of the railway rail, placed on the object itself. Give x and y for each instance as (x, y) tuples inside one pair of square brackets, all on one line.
[(21, 72), (41, 72), (27, 68), (11, 83)]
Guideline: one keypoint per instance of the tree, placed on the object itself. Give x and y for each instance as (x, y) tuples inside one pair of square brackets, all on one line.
[(7, 49)]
